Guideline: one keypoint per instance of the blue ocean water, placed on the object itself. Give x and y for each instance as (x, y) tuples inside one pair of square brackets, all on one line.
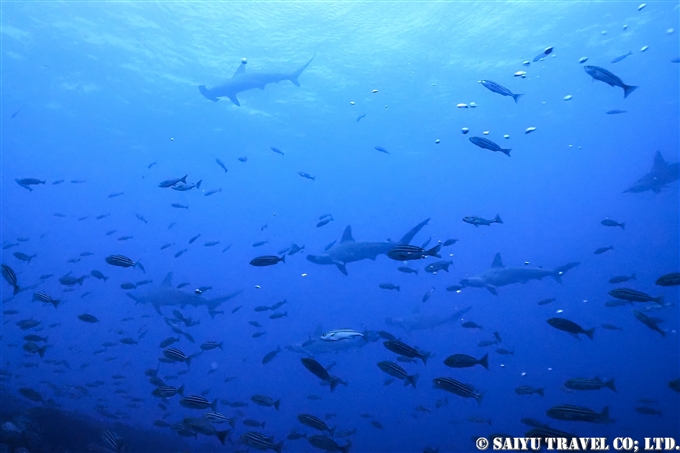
[(94, 93)]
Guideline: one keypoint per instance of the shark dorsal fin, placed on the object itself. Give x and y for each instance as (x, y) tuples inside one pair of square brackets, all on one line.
[(659, 163), (497, 261), (347, 235), (240, 70), (167, 281)]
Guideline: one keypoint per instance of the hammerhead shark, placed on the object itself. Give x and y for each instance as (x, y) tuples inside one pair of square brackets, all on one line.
[(242, 81), (659, 176), (167, 295), (349, 250), (500, 275)]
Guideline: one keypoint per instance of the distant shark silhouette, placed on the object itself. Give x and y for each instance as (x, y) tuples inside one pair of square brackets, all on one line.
[(423, 322), (242, 81), (165, 295), (349, 250), (659, 176), (500, 275)]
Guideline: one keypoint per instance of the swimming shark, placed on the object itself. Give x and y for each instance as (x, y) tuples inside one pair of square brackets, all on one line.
[(658, 177), (242, 81), (348, 250), (423, 322), (166, 295), (500, 275)]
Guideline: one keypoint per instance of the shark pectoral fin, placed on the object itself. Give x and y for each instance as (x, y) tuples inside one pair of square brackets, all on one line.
[(342, 268), (408, 237), (492, 290), (234, 99)]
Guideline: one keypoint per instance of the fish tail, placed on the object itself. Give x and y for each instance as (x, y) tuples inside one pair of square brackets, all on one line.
[(398, 288), (413, 379), (590, 332), (42, 350), (277, 448), (610, 384), (659, 300), (622, 225), (506, 151), (277, 403), (55, 303), (498, 219), (515, 97), (16, 289), (294, 76), (181, 390), (213, 406), (283, 258), (434, 251), (627, 89), (541, 391), (633, 277), (479, 398), (605, 415), (484, 361)]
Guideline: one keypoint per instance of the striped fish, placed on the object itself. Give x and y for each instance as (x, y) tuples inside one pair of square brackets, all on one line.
[(672, 279), (11, 277), (316, 423), (176, 355), (198, 402), (632, 295), (267, 260), (398, 372), (590, 384), (216, 417), (123, 261), (652, 323), (166, 391), (400, 348), (496, 88), (545, 431), (88, 318), (327, 444), (208, 345), (569, 412), (113, 441), (31, 394), (42, 297), (491, 146), (458, 388), (260, 441)]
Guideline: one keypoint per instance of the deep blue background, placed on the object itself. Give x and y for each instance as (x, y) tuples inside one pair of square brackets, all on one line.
[(104, 89)]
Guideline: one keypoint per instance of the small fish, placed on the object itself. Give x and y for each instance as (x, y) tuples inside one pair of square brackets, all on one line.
[(23, 257), (610, 79), (529, 390), (210, 192), (389, 286), (307, 175), (541, 55), (622, 278), (116, 194), (613, 223), (267, 260), (602, 250), (428, 294), (407, 270), (171, 182), (449, 242), (325, 221), (381, 149), (329, 245), (211, 243), (151, 165), (360, 117), (546, 301), (179, 206), (615, 112), (488, 144), (610, 327), (221, 164), (260, 243), (672, 279), (243, 159), (571, 327), (617, 59), (180, 253), (476, 221), (632, 295), (496, 88), (471, 325), (270, 356)]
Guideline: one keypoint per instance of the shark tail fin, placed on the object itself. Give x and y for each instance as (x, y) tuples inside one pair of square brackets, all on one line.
[(627, 89), (498, 219), (590, 332), (560, 270), (294, 76), (515, 97), (408, 237), (206, 93)]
